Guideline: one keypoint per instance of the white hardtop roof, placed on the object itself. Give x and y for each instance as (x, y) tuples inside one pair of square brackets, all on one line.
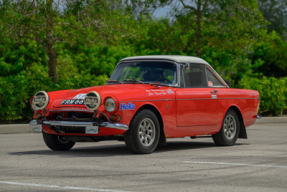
[(176, 58)]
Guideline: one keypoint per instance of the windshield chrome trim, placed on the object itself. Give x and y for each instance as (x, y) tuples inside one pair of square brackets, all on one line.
[(149, 60)]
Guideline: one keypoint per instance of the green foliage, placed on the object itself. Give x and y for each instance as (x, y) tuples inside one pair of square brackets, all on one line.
[(275, 13), (273, 54), (273, 92), (91, 37), (13, 96), (15, 57)]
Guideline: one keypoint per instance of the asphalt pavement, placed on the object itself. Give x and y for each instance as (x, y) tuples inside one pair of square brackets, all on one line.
[(14, 128), (256, 164)]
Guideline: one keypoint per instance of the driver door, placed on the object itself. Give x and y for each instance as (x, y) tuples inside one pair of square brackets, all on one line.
[(196, 103)]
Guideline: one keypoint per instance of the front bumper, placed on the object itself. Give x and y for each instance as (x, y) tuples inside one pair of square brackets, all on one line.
[(90, 128)]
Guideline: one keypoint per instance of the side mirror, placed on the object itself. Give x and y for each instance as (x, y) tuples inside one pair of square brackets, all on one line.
[(187, 65)]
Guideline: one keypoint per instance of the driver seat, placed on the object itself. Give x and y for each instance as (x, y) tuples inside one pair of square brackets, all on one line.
[(152, 75)]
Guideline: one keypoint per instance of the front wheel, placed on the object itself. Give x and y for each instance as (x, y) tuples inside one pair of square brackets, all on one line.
[(57, 143), (229, 131), (143, 134)]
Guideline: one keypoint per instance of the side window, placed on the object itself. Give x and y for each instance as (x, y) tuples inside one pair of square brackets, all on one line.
[(212, 80), (195, 76)]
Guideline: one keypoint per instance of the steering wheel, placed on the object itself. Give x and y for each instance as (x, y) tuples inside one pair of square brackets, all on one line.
[(163, 79)]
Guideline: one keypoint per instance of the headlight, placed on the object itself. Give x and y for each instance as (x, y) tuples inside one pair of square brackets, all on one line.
[(93, 100), (40, 100), (110, 104), (34, 106)]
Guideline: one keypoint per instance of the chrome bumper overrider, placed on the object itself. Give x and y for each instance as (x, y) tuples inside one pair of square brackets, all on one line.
[(35, 127)]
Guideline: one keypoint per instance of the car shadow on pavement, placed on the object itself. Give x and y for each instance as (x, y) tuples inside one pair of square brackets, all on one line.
[(92, 151), (188, 145), (183, 145), (119, 149)]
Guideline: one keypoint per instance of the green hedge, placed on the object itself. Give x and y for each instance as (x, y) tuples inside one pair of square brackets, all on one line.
[(273, 93), (24, 71)]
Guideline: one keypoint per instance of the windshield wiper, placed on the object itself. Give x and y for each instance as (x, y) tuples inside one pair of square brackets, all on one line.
[(133, 80), (114, 81)]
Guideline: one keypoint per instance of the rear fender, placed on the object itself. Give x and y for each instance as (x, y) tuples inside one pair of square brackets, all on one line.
[(242, 129)]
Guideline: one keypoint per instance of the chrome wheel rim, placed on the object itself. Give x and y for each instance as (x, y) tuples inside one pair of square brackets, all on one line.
[(229, 127), (146, 132)]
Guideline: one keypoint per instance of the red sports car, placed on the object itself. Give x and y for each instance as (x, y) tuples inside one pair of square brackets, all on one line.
[(146, 100)]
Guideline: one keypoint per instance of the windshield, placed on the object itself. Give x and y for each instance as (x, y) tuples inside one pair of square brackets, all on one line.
[(145, 72)]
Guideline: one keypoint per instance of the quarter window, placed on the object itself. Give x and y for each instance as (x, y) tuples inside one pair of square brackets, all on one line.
[(212, 80)]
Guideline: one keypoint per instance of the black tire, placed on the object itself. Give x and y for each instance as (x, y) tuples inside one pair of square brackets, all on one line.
[(228, 134), (57, 143), (143, 134)]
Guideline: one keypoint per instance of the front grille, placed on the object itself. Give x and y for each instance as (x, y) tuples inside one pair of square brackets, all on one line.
[(73, 116), (76, 116), (67, 129)]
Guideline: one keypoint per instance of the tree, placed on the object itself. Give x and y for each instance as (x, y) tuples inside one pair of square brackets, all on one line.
[(33, 20), (275, 12), (140, 8), (218, 17), (273, 54), (53, 21), (197, 9)]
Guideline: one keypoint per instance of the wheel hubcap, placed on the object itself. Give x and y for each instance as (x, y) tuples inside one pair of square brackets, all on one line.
[(146, 132), (229, 127)]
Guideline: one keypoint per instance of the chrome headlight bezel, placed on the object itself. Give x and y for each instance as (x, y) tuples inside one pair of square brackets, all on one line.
[(40, 101), (110, 104), (34, 107)]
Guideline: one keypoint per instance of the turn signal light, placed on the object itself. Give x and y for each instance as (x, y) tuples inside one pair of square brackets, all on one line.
[(36, 115), (115, 118)]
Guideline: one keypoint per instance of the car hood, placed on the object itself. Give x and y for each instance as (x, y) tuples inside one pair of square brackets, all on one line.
[(123, 92)]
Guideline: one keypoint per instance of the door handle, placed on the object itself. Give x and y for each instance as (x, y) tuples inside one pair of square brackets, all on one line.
[(214, 91)]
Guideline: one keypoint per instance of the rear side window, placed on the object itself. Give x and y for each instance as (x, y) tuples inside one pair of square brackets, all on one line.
[(195, 76), (212, 80)]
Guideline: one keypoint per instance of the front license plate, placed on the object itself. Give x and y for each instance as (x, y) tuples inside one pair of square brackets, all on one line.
[(92, 129), (36, 128)]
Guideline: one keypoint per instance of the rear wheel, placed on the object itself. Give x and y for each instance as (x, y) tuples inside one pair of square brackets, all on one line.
[(229, 131), (57, 143), (143, 134)]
